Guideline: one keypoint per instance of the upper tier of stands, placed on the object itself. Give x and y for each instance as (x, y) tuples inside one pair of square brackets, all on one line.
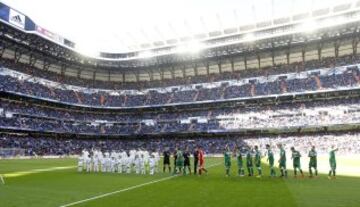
[(140, 85), (320, 79)]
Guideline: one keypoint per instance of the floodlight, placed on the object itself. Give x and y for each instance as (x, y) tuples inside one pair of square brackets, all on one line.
[(249, 37), (87, 49), (181, 49), (333, 21), (194, 47), (308, 26), (146, 54), (190, 47)]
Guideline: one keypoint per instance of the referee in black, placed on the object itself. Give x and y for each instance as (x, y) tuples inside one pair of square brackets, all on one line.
[(166, 163), (186, 155), (196, 159)]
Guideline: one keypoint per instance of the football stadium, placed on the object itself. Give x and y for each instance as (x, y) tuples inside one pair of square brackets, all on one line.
[(180, 103)]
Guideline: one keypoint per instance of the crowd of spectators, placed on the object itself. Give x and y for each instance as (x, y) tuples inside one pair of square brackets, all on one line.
[(63, 146), (276, 69), (335, 112), (348, 144), (31, 117), (272, 85), (258, 86)]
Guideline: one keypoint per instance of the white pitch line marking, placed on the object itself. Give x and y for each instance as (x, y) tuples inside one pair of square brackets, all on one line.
[(126, 189), (23, 173)]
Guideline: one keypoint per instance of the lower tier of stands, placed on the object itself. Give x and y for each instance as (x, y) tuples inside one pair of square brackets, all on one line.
[(323, 113), (347, 143)]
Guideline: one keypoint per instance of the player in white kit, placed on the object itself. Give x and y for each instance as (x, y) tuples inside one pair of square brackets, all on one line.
[(96, 162), (142, 164), (85, 154), (88, 163), (137, 164), (108, 163), (103, 164), (113, 164), (118, 164), (152, 164), (129, 164), (157, 161), (80, 163)]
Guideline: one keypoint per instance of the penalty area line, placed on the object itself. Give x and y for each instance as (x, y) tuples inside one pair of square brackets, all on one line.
[(125, 189)]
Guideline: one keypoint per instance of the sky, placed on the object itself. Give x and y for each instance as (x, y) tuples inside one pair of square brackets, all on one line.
[(117, 25)]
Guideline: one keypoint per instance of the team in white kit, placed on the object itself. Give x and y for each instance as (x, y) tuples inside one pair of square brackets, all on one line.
[(136, 161)]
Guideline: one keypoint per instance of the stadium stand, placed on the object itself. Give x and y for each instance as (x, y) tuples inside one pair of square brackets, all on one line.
[(348, 143), (313, 80), (300, 86)]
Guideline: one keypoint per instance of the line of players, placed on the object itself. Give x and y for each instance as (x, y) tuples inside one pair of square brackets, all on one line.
[(253, 157), (137, 161)]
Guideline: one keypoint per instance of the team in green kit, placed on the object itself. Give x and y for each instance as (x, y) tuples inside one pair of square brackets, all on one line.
[(332, 161), (271, 160), (239, 160), (249, 163), (254, 156), (179, 162), (227, 159), (282, 161), (258, 161), (313, 161), (295, 156)]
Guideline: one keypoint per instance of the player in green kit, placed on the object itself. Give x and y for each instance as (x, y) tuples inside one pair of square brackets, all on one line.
[(227, 159), (179, 161), (249, 163), (332, 161), (258, 161), (271, 160), (282, 161), (239, 159), (295, 156), (313, 161)]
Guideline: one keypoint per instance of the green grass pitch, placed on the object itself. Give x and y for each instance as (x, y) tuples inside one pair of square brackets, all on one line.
[(55, 188)]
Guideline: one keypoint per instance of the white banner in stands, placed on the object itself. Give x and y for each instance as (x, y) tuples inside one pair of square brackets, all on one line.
[(17, 19), (57, 38), (185, 121)]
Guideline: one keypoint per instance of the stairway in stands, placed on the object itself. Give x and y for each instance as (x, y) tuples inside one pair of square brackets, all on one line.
[(52, 92), (147, 100), (209, 114), (191, 127), (356, 77), (78, 97), (222, 93), (125, 100), (283, 86), (163, 129), (171, 98), (196, 96), (318, 82), (138, 129), (252, 90)]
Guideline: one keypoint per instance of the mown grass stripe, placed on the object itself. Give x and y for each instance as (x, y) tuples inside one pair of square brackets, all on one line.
[(125, 189)]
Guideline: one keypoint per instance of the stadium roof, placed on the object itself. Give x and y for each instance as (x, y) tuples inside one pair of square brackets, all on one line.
[(118, 26)]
